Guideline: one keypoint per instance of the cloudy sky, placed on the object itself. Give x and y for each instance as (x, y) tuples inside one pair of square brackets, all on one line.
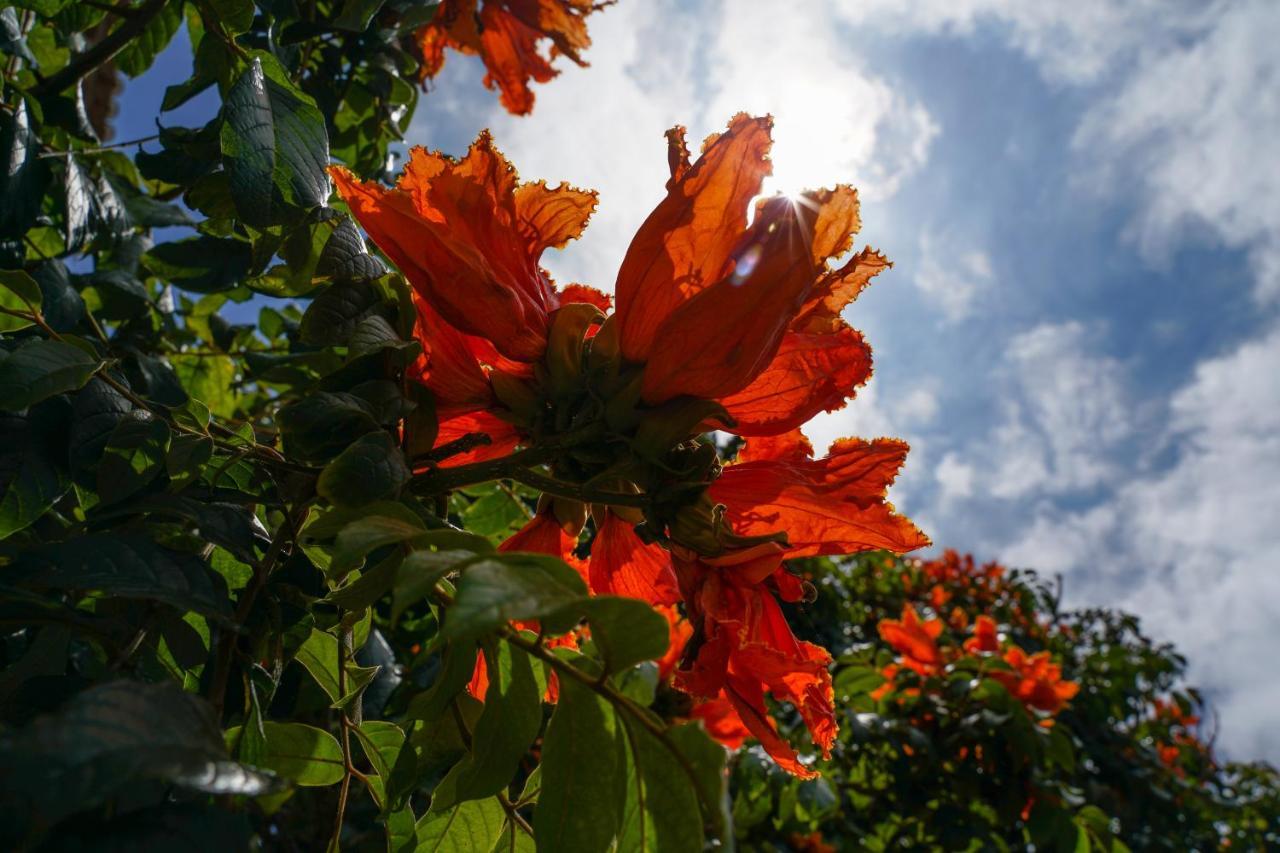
[(1081, 335)]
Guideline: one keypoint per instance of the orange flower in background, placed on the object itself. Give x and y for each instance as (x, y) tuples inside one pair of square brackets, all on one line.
[(721, 322), (915, 640), (1036, 681), (986, 637), (506, 35)]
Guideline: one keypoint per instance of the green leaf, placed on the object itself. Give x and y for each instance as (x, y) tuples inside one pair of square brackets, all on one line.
[(307, 756), (499, 588), (625, 630), (18, 292), (127, 565), (77, 187), (581, 765), (134, 456), (332, 316), (345, 257), (418, 575), (319, 654), (109, 738), (434, 746), (381, 742), (369, 534), (33, 467), (41, 369), (274, 145), (356, 15), (324, 424), (236, 16), (23, 174), (370, 469), (201, 264), (660, 809), (465, 828), (141, 51), (511, 719)]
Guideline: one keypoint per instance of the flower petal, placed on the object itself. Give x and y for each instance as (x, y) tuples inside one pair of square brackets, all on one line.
[(790, 446), (720, 339), (747, 698), (506, 36), (622, 564), (833, 505), (686, 243), (452, 229), (503, 437), (811, 373), (550, 218)]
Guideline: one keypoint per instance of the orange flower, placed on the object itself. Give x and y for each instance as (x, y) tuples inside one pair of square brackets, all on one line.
[(743, 646), (985, 639), (1036, 681), (719, 323), (915, 640), (721, 721), (505, 34)]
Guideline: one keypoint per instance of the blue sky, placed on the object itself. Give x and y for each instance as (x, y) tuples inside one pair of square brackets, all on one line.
[(1080, 337)]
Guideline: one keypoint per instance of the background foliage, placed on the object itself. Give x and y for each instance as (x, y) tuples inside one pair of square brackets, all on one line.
[(234, 616)]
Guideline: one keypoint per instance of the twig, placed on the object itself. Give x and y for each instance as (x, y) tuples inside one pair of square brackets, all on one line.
[(101, 148)]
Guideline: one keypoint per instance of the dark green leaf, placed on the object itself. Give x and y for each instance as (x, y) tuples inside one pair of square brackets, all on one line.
[(346, 258), (511, 719), (581, 767), (110, 737), (124, 565), (77, 228), (274, 144), (200, 264), (499, 588), (41, 369), (660, 809), (33, 473), (23, 174), (141, 51), (371, 469), (324, 424), (334, 314), (356, 15), (625, 630), (134, 456)]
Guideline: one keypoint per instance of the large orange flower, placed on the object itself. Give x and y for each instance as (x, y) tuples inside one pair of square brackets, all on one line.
[(722, 321), (505, 34)]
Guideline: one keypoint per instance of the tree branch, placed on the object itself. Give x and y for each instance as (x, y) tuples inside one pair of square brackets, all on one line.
[(102, 52)]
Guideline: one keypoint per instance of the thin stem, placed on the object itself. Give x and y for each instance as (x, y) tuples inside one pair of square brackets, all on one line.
[(101, 53), (345, 725), (438, 480), (514, 816), (101, 148), (576, 491)]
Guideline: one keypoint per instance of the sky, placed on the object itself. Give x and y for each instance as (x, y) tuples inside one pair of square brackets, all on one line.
[(1080, 337)]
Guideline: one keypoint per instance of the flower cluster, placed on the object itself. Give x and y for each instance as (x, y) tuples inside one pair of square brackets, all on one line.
[(726, 318), (1034, 680), (505, 34)]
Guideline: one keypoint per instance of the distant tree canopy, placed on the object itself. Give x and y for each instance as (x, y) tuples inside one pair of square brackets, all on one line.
[(306, 545)]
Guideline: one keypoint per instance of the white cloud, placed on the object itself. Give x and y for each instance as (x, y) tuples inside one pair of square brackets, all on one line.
[(951, 276), (659, 63), (954, 477), (1198, 130), (1065, 413), (1075, 42), (1193, 548)]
